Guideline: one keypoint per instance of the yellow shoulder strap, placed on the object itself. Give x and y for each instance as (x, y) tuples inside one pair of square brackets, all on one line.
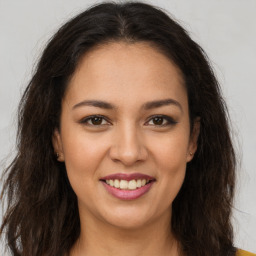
[(244, 253)]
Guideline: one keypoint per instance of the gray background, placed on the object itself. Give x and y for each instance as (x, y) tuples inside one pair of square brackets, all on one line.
[(226, 29)]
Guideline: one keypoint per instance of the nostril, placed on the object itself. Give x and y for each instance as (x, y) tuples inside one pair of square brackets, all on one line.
[(128, 152)]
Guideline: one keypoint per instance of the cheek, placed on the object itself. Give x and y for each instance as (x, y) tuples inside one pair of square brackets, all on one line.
[(82, 148), (171, 159), (170, 149), (83, 154)]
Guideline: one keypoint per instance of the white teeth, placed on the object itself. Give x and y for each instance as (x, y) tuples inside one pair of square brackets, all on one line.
[(132, 184), (138, 183), (116, 184), (124, 184)]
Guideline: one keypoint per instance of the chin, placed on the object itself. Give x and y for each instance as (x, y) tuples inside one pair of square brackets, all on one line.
[(129, 219)]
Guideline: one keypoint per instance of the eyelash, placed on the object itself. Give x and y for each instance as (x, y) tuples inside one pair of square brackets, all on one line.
[(169, 121), (89, 118)]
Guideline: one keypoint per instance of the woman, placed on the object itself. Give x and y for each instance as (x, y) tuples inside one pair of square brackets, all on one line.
[(123, 143)]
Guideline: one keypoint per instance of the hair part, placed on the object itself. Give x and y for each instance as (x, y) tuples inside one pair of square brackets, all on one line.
[(42, 214)]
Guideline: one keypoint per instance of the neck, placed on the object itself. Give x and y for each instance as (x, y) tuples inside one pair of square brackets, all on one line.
[(100, 238)]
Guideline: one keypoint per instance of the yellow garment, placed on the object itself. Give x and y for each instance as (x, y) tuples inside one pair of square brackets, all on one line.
[(244, 253)]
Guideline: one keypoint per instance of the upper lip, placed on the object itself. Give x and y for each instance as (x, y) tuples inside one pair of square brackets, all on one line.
[(128, 177)]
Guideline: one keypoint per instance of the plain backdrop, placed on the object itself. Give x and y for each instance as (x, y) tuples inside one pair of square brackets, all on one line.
[(226, 29)]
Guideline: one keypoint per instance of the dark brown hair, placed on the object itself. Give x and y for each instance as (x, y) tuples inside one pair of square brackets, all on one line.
[(42, 214)]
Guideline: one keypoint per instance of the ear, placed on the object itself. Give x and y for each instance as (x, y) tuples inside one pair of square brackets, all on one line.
[(57, 145), (192, 147)]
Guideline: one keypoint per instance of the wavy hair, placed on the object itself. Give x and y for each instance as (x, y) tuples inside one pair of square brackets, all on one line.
[(41, 218)]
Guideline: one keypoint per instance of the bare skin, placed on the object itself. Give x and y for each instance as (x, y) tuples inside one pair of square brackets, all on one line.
[(128, 135), (152, 241)]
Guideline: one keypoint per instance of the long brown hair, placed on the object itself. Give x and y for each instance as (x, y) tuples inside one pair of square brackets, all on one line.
[(42, 214)]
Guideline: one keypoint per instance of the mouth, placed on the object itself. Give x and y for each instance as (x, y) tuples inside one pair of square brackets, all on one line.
[(127, 186)]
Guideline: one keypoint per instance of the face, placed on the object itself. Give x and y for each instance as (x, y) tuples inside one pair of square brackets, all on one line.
[(124, 123)]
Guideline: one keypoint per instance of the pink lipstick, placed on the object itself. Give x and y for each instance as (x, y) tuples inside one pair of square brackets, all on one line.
[(127, 186)]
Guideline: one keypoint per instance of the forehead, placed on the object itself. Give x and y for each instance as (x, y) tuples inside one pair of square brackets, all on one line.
[(120, 71)]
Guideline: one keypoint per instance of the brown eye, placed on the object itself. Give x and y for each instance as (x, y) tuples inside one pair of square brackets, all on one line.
[(96, 120), (158, 120), (161, 121)]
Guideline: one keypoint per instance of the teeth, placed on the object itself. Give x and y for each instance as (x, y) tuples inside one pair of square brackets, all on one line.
[(116, 184), (132, 184), (124, 184), (139, 183)]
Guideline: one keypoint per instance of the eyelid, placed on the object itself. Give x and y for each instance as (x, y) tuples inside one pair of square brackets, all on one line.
[(85, 120), (170, 120)]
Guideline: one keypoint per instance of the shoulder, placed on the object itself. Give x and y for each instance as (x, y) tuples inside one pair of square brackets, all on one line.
[(244, 253)]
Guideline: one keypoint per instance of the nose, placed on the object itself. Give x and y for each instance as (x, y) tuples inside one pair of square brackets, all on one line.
[(127, 146)]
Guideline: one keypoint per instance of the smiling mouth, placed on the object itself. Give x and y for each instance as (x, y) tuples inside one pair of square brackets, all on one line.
[(127, 185), (127, 181)]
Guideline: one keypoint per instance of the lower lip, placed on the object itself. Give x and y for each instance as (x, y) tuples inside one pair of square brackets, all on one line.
[(128, 194)]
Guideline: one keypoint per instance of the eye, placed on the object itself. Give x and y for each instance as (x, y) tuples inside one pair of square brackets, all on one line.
[(161, 120), (96, 120)]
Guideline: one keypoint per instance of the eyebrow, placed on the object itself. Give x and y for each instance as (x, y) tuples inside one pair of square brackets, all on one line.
[(161, 103), (147, 106), (94, 103)]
